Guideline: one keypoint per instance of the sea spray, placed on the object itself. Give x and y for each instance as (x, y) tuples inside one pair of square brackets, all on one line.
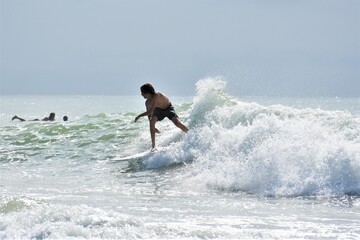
[(271, 150)]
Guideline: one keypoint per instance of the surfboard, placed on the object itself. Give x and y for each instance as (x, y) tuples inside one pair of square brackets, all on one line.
[(143, 155), (135, 156)]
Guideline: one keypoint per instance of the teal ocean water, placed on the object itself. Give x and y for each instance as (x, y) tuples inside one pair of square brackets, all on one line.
[(249, 168)]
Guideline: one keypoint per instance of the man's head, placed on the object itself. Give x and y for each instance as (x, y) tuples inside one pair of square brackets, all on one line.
[(52, 117), (147, 89)]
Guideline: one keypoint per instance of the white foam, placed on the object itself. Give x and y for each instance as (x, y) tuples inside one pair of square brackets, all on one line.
[(267, 150)]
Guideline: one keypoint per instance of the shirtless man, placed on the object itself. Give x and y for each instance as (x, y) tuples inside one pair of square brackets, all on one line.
[(158, 106), (50, 118)]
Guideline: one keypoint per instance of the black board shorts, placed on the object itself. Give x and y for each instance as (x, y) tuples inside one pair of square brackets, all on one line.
[(168, 112)]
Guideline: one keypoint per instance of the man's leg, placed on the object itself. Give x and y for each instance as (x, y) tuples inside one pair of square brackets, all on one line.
[(179, 124), (16, 117), (153, 129)]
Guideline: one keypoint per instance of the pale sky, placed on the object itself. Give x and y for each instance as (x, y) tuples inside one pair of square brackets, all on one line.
[(111, 47)]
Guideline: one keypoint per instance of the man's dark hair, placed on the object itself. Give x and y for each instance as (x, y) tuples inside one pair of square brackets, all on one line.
[(147, 88), (52, 116)]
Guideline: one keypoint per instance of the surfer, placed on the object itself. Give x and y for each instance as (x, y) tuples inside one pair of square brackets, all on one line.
[(50, 118), (158, 106)]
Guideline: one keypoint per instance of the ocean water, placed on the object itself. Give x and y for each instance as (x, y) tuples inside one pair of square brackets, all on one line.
[(249, 168)]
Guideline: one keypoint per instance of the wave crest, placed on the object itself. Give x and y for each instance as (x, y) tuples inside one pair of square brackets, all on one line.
[(270, 150)]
